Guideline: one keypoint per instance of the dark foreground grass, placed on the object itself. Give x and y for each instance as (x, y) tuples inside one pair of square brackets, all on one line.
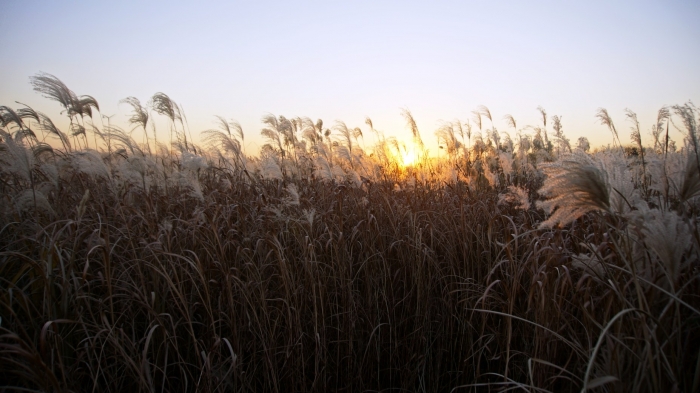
[(436, 289)]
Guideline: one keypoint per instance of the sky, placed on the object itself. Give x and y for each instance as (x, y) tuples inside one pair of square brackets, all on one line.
[(347, 60)]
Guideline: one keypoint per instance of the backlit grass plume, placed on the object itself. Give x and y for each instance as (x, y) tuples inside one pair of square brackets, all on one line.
[(574, 186), (51, 87), (607, 121)]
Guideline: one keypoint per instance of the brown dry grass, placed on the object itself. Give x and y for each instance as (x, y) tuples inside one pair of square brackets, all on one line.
[(222, 280)]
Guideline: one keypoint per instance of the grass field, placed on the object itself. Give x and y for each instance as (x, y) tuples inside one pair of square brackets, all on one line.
[(523, 263)]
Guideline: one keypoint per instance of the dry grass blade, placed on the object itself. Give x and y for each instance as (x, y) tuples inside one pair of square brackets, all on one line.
[(590, 384), (48, 125)]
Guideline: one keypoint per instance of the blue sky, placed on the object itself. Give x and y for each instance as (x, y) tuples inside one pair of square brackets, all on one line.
[(346, 60)]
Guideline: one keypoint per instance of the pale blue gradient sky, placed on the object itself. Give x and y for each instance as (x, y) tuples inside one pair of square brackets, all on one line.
[(347, 60)]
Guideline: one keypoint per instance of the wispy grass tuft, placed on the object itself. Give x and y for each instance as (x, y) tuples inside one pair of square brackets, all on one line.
[(574, 186)]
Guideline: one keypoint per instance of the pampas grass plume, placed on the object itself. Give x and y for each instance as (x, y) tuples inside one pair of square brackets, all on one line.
[(574, 186)]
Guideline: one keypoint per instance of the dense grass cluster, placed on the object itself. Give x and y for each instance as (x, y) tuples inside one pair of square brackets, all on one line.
[(524, 264)]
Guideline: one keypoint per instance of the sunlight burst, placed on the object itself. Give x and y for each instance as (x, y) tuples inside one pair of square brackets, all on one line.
[(409, 157)]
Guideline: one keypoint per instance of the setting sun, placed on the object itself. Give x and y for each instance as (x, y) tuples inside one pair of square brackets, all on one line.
[(358, 196), (409, 157)]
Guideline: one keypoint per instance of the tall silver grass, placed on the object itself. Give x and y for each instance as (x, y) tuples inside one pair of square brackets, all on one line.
[(574, 186)]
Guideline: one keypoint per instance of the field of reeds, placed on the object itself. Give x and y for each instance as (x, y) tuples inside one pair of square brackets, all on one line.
[(133, 262)]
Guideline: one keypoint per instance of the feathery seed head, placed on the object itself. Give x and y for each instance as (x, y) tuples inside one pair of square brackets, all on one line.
[(574, 186)]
